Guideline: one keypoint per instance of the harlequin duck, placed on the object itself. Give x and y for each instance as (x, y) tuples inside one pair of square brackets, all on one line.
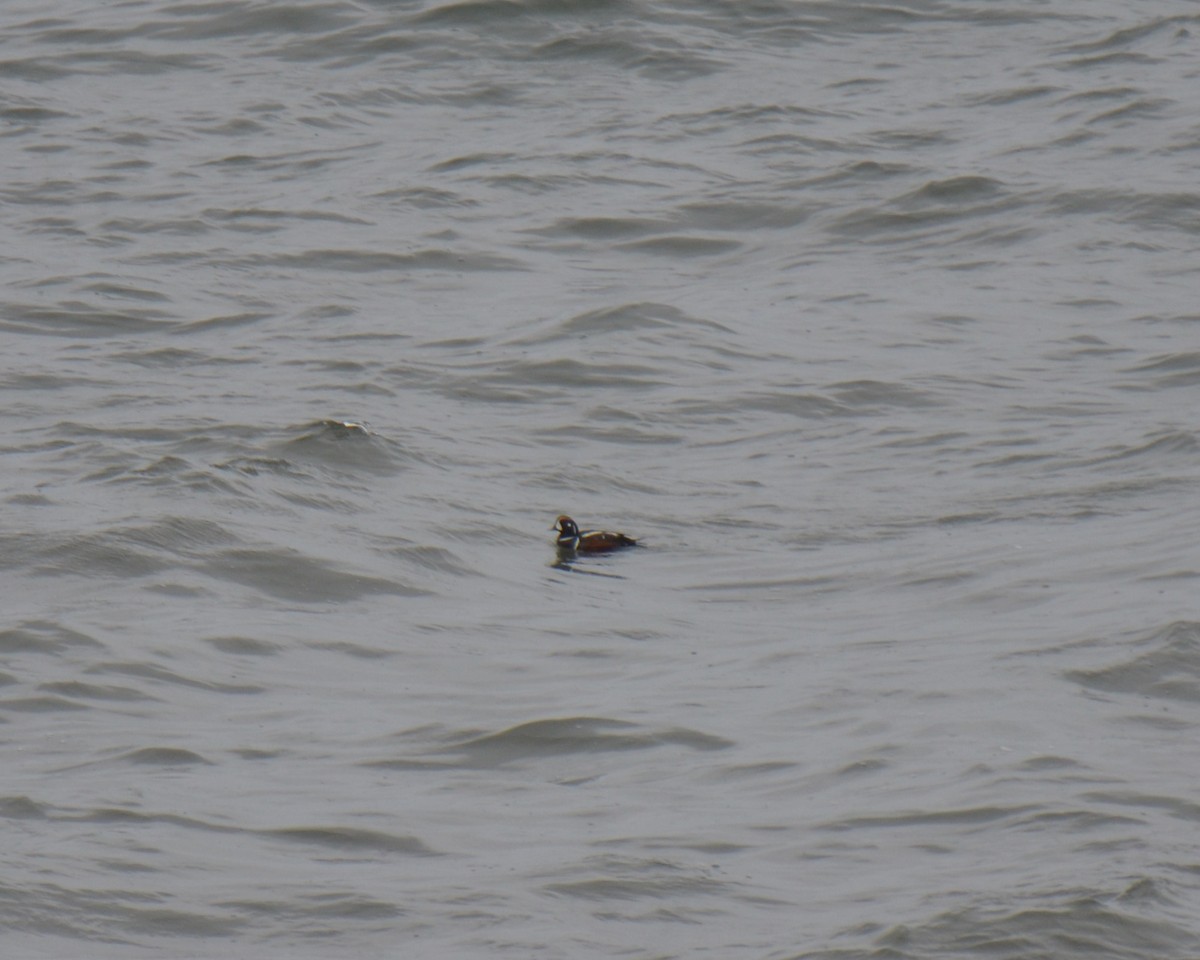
[(588, 541)]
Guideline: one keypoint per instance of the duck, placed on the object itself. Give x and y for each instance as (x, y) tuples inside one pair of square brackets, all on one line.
[(571, 538)]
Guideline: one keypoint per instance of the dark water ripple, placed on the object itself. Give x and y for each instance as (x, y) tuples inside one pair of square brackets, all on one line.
[(1168, 667), (546, 739)]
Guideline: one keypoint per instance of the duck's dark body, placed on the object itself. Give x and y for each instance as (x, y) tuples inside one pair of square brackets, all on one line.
[(571, 538)]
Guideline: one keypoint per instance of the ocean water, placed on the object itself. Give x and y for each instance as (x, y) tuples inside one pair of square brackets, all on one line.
[(875, 322)]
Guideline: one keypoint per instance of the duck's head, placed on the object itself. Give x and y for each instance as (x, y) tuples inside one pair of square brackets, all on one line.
[(566, 526)]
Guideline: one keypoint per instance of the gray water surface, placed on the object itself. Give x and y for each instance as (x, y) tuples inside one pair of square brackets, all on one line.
[(876, 323)]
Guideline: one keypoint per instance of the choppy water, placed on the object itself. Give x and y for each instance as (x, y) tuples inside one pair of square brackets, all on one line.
[(877, 322)]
